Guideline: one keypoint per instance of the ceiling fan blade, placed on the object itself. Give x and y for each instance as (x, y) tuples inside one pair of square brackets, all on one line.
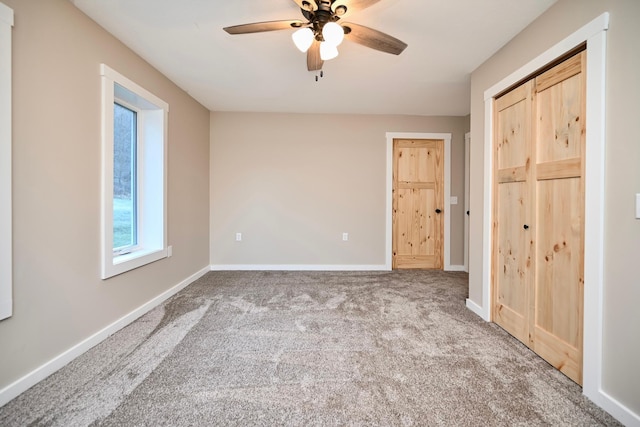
[(314, 62), (308, 5), (351, 6), (373, 38), (259, 27)]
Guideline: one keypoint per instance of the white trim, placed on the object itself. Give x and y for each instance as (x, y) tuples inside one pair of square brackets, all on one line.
[(486, 211), (298, 267), (6, 15), (6, 226), (475, 308), (388, 239), (447, 191), (19, 386), (152, 113), (456, 268), (601, 23), (132, 86), (447, 204), (614, 407), (467, 169), (594, 213), (594, 34)]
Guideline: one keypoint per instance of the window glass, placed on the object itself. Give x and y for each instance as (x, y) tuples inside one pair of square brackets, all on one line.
[(124, 177)]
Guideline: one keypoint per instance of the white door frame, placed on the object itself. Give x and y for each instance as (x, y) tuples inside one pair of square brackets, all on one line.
[(447, 192), (594, 35), (6, 275), (467, 163)]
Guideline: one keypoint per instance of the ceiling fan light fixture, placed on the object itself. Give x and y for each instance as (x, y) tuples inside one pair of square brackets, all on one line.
[(322, 30), (333, 33), (328, 51), (303, 38)]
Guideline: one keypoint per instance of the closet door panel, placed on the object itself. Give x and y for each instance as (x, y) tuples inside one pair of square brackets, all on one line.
[(557, 331), (513, 128), (513, 261), (512, 251), (559, 276), (560, 129)]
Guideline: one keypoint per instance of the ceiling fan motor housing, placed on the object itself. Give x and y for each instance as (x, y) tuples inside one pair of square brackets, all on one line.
[(321, 16)]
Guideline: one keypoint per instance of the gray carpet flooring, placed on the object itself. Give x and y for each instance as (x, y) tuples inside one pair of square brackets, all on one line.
[(309, 349)]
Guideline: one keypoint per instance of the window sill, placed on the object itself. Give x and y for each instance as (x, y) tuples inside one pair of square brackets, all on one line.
[(133, 260)]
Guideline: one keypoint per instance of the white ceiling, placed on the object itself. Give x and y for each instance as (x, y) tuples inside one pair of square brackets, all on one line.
[(264, 72)]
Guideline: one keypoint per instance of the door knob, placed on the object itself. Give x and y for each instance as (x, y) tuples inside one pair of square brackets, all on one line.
[(438, 211), (526, 227)]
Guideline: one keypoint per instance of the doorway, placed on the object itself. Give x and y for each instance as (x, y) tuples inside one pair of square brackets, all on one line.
[(418, 203), (446, 212)]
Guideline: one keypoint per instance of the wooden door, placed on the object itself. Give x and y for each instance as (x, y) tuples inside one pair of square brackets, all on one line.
[(418, 203), (538, 227), (512, 251), (557, 319)]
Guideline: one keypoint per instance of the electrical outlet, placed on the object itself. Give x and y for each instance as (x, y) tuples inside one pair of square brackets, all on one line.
[(637, 205), (238, 237), (454, 200), (169, 251), (345, 237)]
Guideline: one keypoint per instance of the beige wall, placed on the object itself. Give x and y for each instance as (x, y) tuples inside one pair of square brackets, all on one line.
[(58, 298), (293, 183), (621, 377)]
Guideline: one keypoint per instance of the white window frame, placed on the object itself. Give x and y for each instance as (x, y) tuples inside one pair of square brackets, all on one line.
[(152, 120), (6, 241)]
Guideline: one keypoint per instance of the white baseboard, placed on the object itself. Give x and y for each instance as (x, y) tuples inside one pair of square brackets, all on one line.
[(19, 386), (298, 267), (6, 309), (619, 411), (478, 310), (312, 267)]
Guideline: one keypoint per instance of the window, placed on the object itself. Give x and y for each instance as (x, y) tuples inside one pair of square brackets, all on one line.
[(134, 147), (6, 277), (125, 201)]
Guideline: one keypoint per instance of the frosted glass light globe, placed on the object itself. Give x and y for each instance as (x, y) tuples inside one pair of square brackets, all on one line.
[(333, 33), (303, 39), (328, 51)]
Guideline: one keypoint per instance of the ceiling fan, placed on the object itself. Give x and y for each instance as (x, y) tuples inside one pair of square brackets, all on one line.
[(320, 36)]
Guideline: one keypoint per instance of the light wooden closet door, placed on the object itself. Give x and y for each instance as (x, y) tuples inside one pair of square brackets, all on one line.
[(418, 181), (538, 216), (512, 252), (559, 280)]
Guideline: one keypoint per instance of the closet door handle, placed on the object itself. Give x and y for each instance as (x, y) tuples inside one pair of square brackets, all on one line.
[(526, 227)]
